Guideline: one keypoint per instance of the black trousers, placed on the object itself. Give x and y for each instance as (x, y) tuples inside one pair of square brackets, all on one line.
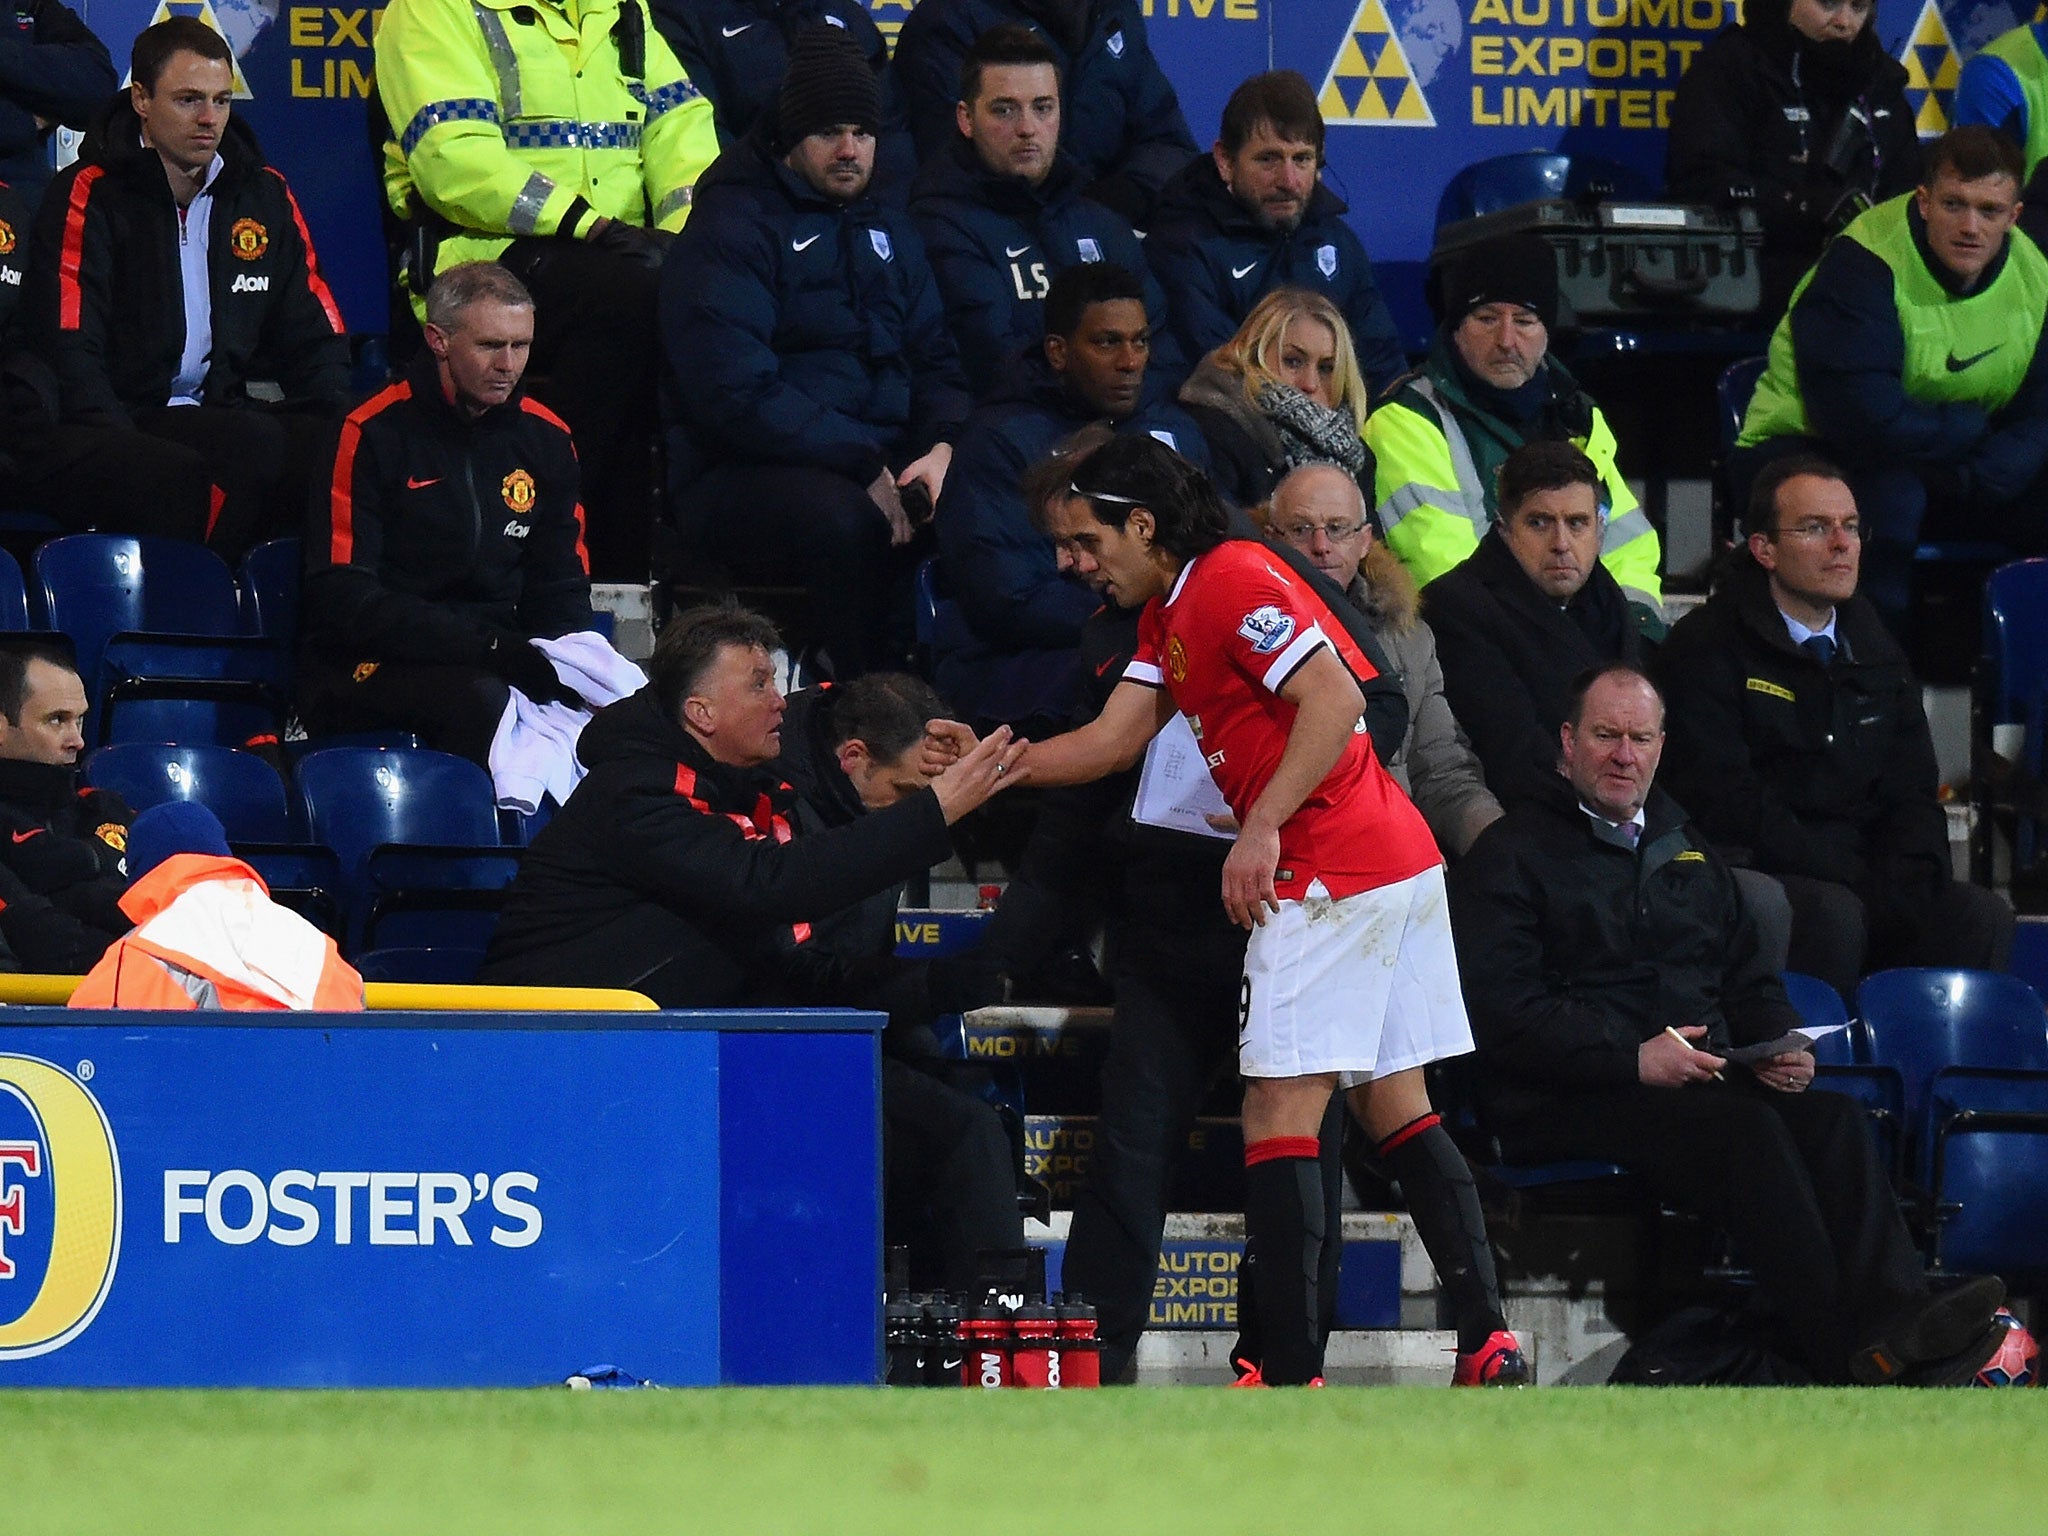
[(1794, 1179), (596, 363), (1177, 971), (949, 1177), (453, 709), (820, 530), (227, 478), (1964, 926)]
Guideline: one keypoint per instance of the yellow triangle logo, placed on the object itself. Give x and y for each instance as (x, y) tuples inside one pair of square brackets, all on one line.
[(1932, 69), (202, 10), (1370, 81)]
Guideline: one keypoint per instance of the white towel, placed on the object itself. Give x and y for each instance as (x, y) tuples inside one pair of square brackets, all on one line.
[(533, 752)]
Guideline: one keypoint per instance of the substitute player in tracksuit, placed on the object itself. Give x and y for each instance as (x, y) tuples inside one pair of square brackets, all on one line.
[(1349, 978)]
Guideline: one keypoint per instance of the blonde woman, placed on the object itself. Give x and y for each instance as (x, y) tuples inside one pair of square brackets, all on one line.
[(1283, 392)]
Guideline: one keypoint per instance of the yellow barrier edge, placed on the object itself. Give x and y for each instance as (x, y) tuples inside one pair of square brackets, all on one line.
[(392, 996)]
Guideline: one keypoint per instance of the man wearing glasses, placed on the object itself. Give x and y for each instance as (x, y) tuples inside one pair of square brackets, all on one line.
[(1799, 744)]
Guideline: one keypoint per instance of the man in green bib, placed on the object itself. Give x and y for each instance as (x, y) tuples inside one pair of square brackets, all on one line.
[(1912, 357)]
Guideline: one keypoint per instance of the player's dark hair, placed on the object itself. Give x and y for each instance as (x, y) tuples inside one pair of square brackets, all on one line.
[(1548, 464), (1046, 481), (1012, 43), (691, 642), (16, 652), (1575, 697), (1972, 153), (885, 710), (1763, 491), (1086, 283), (1282, 100), (175, 34), (1137, 470)]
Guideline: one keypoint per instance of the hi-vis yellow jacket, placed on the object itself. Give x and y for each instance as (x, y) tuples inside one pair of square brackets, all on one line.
[(535, 117)]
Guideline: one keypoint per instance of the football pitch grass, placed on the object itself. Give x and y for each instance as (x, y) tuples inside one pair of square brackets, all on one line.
[(811, 1462)]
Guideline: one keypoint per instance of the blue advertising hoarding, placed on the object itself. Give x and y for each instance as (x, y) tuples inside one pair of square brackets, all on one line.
[(438, 1200)]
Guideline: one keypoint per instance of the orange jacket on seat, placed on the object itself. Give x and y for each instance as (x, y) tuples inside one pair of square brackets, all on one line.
[(209, 936)]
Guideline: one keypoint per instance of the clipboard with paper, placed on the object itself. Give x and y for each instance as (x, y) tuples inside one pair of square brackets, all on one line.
[(1175, 789)]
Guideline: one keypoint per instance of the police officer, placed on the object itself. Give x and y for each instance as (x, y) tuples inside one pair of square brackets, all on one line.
[(1911, 356), (562, 138)]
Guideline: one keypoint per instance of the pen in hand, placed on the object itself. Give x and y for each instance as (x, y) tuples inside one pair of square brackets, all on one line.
[(1674, 1034)]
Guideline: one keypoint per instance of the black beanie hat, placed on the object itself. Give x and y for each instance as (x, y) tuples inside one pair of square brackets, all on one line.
[(1515, 269), (828, 83)]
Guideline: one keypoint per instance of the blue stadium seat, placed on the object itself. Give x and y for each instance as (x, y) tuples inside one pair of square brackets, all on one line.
[(2013, 689), (1732, 390), (1923, 1022), (1989, 1172), (240, 788), (1842, 1062), (443, 965), (270, 581), (154, 618), (416, 833), (13, 594)]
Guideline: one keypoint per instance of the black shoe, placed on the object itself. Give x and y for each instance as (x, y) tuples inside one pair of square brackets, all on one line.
[(1959, 1369), (1946, 1324)]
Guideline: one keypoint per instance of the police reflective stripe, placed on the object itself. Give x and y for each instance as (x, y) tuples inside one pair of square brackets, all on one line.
[(1413, 497), (680, 198), (503, 59), (559, 135), (524, 217), (1621, 529), (666, 99), (465, 109), (1472, 504)]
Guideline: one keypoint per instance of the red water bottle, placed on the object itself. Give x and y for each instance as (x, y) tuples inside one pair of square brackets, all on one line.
[(985, 1336), (1035, 1358), (1080, 1348)]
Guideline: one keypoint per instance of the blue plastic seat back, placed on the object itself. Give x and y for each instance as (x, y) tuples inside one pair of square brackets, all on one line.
[(271, 576), (1534, 176), (1994, 1171), (1820, 1006), (927, 602), (443, 965), (2016, 638), (1732, 392), (360, 798), (240, 788), (13, 594), (1919, 1021), (193, 721), (93, 586)]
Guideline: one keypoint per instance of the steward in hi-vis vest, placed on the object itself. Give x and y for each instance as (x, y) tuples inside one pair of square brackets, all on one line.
[(1911, 356)]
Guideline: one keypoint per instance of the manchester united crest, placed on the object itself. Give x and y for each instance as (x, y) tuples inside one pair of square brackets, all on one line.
[(1176, 660), (518, 491), (248, 239), (113, 834), (6, 238)]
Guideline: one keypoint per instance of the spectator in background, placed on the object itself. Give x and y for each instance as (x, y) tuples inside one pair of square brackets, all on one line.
[(1610, 966), (207, 935), (1121, 121), (809, 365), (61, 870), (1800, 743), (1801, 114), (735, 52), (1283, 392), (1488, 386), (450, 537), (1007, 651), (53, 71), (675, 869), (562, 140), (1252, 216), (1319, 512), (1003, 214), (2005, 86), (172, 267), (1912, 357)]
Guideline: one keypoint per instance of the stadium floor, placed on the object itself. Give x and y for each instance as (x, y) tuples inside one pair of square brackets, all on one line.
[(1359, 1460)]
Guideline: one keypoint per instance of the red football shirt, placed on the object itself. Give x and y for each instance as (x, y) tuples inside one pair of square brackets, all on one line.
[(1236, 626)]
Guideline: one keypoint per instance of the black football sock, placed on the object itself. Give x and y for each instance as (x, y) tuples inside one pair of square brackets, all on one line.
[(1283, 1221), (1445, 1204)]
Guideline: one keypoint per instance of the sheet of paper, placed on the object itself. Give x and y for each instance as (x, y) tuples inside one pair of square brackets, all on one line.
[(1174, 787)]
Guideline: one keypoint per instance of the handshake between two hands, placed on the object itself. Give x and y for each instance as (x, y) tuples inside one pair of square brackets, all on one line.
[(966, 771)]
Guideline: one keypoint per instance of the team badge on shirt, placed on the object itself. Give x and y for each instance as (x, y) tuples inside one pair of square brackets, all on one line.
[(879, 239), (6, 238), (518, 491), (1326, 260), (1267, 628), (248, 239), (1090, 250), (1176, 660), (113, 834)]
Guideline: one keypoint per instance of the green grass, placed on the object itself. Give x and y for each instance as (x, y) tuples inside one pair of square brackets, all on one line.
[(1197, 1460)]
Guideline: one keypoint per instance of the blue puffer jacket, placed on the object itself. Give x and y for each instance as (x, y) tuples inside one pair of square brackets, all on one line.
[(736, 52), (799, 330), (1120, 118), (997, 242), (1216, 261), (1009, 614)]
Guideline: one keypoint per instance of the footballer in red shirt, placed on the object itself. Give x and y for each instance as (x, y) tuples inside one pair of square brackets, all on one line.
[(1350, 976)]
